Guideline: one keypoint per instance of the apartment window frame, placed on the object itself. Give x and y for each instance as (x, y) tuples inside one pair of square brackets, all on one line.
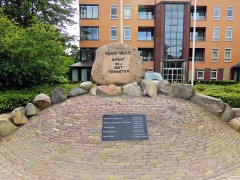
[(202, 76), (215, 57), (127, 8), (91, 14), (216, 30), (113, 37), (230, 9), (92, 39), (127, 38), (217, 13), (227, 58), (228, 38), (112, 7), (214, 71)]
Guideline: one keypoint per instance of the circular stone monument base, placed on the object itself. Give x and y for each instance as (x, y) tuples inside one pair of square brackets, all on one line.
[(64, 142)]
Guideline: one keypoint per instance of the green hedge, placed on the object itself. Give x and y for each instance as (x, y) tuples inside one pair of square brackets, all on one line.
[(223, 83), (229, 94), (11, 99)]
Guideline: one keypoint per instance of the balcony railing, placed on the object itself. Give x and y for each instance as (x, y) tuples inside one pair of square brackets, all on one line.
[(198, 39), (196, 58), (147, 58), (145, 39), (145, 16), (198, 17)]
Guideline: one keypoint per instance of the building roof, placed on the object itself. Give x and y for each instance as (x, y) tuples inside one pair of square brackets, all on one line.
[(236, 65), (82, 64)]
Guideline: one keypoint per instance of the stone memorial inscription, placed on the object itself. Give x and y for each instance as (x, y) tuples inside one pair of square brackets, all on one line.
[(124, 127)]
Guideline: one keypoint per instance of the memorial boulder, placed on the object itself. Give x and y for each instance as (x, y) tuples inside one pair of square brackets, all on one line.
[(117, 64)]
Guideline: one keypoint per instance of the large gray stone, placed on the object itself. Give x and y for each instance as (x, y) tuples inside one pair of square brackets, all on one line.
[(164, 87), (4, 117), (18, 116), (31, 110), (132, 89), (117, 64), (235, 124), (42, 101), (211, 104), (149, 88), (87, 85), (77, 92), (110, 90), (6, 128), (58, 95), (183, 91), (228, 113)]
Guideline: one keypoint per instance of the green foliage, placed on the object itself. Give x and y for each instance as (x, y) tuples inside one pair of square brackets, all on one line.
[(11, 99), (230, 94), (224, 83), (54, 12), (33, 55)]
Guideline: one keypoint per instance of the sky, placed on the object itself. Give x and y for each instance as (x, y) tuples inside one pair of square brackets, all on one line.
[(74, 30)]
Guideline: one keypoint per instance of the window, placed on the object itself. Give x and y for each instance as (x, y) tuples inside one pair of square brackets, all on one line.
[(214, 55), (89, 33), (216, 32), (87, 54), (200, 74), (88, 12), (228, 36), (127, 12), (145, 12), (113, 33), (217, 11), (113, 11), (213, 74), (230, 13), (127, 33), (227, 55)]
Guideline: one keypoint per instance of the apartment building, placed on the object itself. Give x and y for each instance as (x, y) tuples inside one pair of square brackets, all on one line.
[(163, 33)]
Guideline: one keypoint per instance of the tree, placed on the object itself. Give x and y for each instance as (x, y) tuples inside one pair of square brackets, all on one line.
[(54, 12), (31, 55)]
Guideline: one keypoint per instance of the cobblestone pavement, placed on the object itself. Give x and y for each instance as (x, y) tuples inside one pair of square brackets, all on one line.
[(64, 142)]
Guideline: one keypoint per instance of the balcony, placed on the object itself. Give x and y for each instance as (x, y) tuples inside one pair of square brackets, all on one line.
[(146, 54), (201, 13), (145, 12), (145, 34), (199, 36), (199, 55)]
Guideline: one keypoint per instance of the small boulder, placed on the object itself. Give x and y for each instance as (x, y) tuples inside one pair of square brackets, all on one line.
[(149, 88), (110, 90), (18, 116), (237, 111), (4, 117), (235, 124), (183, 91), (77, 92), (42, 101), (6, 128), (31, 110), (211, 104), (132, 89), (228, 113), (87, 85), (58, 95), (93, 91), (164, 87)]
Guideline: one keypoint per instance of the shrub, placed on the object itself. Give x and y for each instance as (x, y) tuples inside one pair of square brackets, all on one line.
[(11, 99)]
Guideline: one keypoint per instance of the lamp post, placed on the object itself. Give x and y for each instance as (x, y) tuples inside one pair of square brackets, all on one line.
[(121, 21), (194, 39)]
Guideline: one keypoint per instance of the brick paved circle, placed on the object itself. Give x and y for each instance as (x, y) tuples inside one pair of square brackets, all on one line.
[(64, 142)]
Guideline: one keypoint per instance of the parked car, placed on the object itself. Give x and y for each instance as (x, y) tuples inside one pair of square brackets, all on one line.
[(156, 77)]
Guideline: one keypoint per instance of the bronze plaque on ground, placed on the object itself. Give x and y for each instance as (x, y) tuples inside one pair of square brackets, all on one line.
[(124, 127)]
